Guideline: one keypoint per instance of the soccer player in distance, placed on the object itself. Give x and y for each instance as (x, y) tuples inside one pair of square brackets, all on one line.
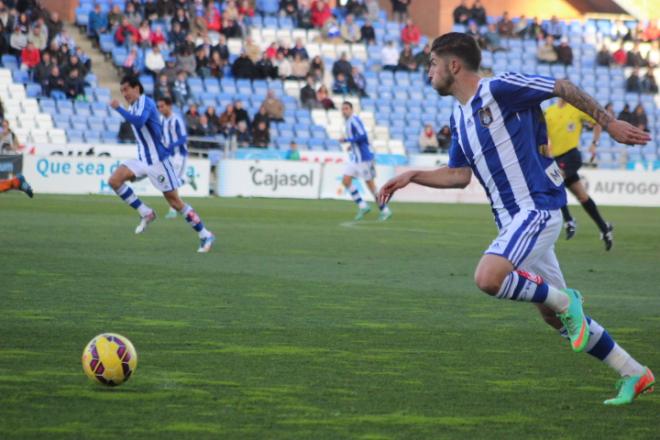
[(361, 164), (175, 138), (564, 128), (495, 127), (153, 162), (19, 183)]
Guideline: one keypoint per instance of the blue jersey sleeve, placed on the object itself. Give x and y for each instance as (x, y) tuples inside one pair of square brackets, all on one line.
[(457, 158), (141, 115), (518, 91)]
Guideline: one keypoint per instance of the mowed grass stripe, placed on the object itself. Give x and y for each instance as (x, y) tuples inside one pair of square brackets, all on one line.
[(299, 327)]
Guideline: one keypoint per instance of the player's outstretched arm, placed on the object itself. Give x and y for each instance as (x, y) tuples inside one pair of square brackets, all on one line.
[(440, 178), (621, 131), (138, 119)]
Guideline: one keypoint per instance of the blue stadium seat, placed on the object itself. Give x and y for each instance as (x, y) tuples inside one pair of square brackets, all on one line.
[(102, 94), (82, 108), (112, 126), (79, 124), (268, 7), (98, 126), (212, 86), (9, 61), (20, 76), (64, 105), (60, 117), (106, 42), (33, 90), (316, 144), (286, 133), (75, 136), (93, 137), (99, 109), (332, 145), (285, 23), (302, 133), (270, 22)]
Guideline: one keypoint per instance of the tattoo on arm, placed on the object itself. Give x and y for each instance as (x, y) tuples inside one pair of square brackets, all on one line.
[(581, 100)]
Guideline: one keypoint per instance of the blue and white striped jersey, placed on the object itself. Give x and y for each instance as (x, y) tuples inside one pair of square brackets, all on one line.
[(356, 134), (145, 121), (497, 134), (175, 135)]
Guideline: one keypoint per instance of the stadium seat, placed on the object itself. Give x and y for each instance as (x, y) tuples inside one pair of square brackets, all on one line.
[(75, 136), (102, 94)]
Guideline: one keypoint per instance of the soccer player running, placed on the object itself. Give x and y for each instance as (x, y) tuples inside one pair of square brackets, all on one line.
[(494, 135), (19, 183), (153, 162), (175, 138), (564, 128), (361, 164)]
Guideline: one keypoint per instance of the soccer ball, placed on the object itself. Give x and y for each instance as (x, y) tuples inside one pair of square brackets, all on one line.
[(110, 359)]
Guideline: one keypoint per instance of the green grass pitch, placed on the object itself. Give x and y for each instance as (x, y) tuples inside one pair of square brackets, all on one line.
[(302, 325)]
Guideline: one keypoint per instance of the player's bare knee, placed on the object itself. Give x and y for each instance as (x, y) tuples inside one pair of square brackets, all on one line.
[(487, 283), (115, 181)]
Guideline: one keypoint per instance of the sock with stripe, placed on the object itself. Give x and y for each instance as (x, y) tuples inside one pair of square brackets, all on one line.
[(604, 348), (523, 286), (194, 221), (128, 196), (355, 195), (566, 214), (592, 210)]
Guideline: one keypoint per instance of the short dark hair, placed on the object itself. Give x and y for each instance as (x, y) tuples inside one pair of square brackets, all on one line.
[(167, 100), (459, 45), (132, 81), (348, 103)]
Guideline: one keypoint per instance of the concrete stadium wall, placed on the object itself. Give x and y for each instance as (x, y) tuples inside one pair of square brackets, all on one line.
[(66, 8)]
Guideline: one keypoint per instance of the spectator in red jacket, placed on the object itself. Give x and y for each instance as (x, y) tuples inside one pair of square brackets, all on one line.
[(620, 56), (652, 32), (271, 51), (213, 19), (410, 33), (320, 13), (245, 9), (157, 37), (124, 30), (30, 57)]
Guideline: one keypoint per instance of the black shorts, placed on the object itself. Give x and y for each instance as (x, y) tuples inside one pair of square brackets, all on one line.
[(570, 162)]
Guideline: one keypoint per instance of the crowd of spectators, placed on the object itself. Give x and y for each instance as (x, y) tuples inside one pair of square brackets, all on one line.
[(553, 44), (235, 123), (43, 49), (431, 141), (636, 117)]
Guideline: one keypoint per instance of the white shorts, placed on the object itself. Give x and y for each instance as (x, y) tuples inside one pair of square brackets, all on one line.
[(361, 170), (528, 242), (179, 164), (161, 174)]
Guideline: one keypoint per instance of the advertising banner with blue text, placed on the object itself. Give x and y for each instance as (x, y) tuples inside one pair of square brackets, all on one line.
[(89, 175)]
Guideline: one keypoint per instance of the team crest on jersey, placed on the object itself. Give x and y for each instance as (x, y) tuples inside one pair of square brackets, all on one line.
[(161, 178), (485, 116)]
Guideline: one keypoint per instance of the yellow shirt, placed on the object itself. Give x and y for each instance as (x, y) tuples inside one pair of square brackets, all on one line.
[(564, 127)]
